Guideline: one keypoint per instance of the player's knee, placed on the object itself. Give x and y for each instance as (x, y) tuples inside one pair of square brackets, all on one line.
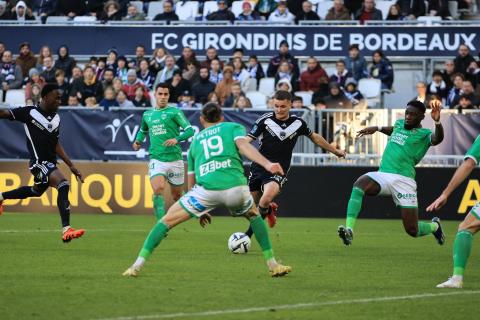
[(176, 195), (158, 190), (411, 231), (63, 186)]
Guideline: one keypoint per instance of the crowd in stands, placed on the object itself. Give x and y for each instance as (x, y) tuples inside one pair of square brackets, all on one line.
[(279, 11), (115, 81)]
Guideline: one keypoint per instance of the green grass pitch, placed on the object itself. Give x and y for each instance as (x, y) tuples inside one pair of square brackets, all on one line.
[(384, 275)]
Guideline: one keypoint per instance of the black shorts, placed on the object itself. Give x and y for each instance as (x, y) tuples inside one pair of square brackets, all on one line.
[(259, 177), (41, 171)]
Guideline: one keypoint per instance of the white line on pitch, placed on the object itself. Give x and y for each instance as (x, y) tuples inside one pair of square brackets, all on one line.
[(292, 306)]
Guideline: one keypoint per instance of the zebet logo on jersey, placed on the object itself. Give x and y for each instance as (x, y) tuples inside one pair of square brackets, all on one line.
[(214, 165)]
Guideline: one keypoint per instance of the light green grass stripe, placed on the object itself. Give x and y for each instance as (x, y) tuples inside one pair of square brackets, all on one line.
[(294, 306)]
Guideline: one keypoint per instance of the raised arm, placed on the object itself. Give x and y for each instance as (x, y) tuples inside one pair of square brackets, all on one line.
[(459, 176), (371, 130), (437, 135), (63, 155), (322, 143), (252, 154)]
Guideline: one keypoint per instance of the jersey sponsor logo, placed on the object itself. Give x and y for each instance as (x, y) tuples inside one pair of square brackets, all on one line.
[(194, 203), (157, 130), (399, 138), (213, 166), (283, 133), (41, 122), (406, 196)]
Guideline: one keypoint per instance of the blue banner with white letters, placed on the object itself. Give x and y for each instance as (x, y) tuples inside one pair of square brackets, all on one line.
[(424, 41)]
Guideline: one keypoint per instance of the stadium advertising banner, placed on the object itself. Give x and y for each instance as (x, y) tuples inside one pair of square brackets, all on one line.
[(425, 41), (124, 188)]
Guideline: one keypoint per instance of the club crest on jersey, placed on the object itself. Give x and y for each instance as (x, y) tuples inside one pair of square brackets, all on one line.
[(283, 133)]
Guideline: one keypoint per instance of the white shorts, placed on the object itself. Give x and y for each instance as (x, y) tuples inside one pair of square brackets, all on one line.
[(199, 200), (402, 189), (174, 171), (475, 211)]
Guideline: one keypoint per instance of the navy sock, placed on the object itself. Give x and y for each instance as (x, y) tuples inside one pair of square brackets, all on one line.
[(21, 193), (63, 203)]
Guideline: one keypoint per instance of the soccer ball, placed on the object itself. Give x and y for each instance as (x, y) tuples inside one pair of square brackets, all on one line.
[(239, 242)]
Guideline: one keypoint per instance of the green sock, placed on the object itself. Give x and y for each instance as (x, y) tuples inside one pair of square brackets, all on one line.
[(354, 206), (154, 238), (426, 228), (461, 251), (261, 234), (158, 206)]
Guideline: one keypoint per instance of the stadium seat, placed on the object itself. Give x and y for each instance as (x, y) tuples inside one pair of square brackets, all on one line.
[(371, 90), (154, 8), (258, 99), (138, 5), (251, 85), (453, 8), (429, 19), (58, 19), (306, 96), (267, 86), (186, 10), (384, 6), (323, 7), (15, 97), (237, 7), (84, 19), (209, 7)]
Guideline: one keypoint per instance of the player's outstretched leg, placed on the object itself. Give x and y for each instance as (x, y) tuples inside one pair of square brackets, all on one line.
[(461, 249), (22, 193), (417, 228), (363, 186), (261, 234), (267, 208), (175, 215)]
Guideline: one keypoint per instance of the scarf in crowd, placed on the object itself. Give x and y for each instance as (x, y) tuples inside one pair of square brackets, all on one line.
[(8, 72)]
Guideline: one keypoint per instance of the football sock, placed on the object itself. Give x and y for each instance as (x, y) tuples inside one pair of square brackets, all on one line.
[(354, 206), (154, 238), (425, 228), (20, 193), (158, 206), (62, 203), (461, 251), (263, 213), (261, 234)]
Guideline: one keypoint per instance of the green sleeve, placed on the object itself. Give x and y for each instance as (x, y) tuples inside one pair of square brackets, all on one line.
[(190, 161), (474, 151), (185, 125), (239, 132), (142, 132)]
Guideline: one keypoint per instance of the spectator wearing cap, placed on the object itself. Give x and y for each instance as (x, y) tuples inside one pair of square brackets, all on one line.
[(314, 77), (168, 14), (109, 100), (368, 12), (22, 12), (64, 61), (145, 75), (216, 74), (87, 86), (224, 87), (255, 69), (26, 59), (139, 100), (222, 14), (355, 63), (283, 55), (44, 8), (341, 74), (247, 13), (307, 14), (167, 72), (177, 85), (353, 94), (71, 8), (63, 86), (438, 87), (382, 69), (456, 91), (132, 84), (338, 11), (49, 70), (122, 69), (265, 7), (463, 59), (185, 100), (282, 14), (411, 9), (10, 73), (202, 88), (422, 94), (33, 79), (111, 11), (133, 14), (465, 102)]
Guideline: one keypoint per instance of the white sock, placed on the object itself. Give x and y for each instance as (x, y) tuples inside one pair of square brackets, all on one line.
[(457, 278), (1, 197), (139, 263), (64, 229), (272, 263)]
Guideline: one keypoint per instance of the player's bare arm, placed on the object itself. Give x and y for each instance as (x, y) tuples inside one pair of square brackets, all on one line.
[(249, 139), (459, 176), (322, 143), (136, 145), (371, 130), (437, 136), (5, 114), (63, 155), (252, 154)]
